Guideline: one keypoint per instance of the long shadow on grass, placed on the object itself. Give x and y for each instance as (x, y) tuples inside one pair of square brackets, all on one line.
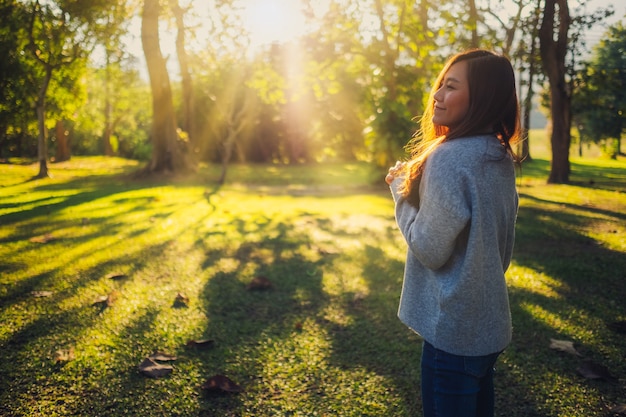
[(249, 324), (245, 321), (533, 380), (550, 241), (377, 340), (589, 291), (28, 353), (585, 208), (584, 175), (28, 367), (87, 189)]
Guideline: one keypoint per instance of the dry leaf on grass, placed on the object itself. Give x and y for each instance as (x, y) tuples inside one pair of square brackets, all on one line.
[(154, 369), (221, 384), (64, 355), (619, 409), (42, 239), (41, 294), (181, 300), (564, 346), (259, 283), (325, 252), (151, 366), (105, 301), (116, 276), (592, 370), (201, 344)]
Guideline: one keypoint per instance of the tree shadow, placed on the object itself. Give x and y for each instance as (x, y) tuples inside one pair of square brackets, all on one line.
[(588, 288), (243, 320), (298, 254)]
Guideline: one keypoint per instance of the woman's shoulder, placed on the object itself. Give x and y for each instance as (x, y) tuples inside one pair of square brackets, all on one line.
[(478, 145)]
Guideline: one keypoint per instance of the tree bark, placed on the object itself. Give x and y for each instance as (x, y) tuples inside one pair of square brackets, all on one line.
[(390, 69), (553, 52), (530, 92), (167, 155), (63, 145), (473, 21), (42, 139), (108, 107), (188, 122)]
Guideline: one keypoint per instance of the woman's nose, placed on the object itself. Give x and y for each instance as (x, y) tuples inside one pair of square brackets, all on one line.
[(437, 95)]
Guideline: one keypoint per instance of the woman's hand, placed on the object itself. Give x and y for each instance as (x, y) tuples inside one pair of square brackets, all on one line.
[(394, 171)]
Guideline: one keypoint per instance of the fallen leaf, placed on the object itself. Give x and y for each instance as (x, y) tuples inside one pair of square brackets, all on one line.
[(592, 370), (161, 356), (64, 355), (41, 294), (181, 300), (105, 301), (564, 346), (325, 252), (618, 326), (259, 283), (42, 239), (619, 409), (116, 276), (201, 344), (153, 369), (221, 383)]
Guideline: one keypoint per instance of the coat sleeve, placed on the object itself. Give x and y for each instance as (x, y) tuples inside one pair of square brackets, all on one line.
[(445, 210)]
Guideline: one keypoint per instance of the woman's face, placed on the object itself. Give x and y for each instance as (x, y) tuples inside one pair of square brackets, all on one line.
[(452, 97)]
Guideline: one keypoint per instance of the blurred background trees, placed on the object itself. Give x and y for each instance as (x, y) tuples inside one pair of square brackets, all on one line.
[(175, 83)]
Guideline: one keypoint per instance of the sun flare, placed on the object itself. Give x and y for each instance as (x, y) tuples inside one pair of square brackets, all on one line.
[(270, 21)]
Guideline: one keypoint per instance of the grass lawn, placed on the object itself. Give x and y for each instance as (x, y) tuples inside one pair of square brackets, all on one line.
[(99, 270)]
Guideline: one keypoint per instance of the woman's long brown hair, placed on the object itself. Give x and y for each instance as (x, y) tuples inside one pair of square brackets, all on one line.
[(493, 105)]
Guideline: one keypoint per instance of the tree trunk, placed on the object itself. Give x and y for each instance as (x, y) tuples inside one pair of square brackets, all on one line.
[(473, 21), (42, 139), (553, 52), (188, 122), (63, 145), (228, 145), (390, 70), (167, 155), (528, 99), (108, 107)]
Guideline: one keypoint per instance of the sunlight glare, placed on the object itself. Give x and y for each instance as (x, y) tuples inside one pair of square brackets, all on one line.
[(270, 21)]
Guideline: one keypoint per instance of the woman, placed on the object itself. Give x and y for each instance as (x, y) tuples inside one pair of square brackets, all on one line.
[(456, 205)]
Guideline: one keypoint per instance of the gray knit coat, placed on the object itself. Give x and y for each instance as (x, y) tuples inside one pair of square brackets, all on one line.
[(460, 242)]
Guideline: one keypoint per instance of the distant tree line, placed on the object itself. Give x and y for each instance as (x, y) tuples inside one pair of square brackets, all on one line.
[(349, 89)]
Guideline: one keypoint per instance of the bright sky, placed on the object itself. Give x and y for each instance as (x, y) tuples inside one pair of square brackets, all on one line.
[(282, 20), (273, 20)]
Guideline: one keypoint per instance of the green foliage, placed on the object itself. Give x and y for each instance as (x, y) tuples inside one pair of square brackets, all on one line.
[(130, 115), (351, 88), (600, 97), (17, 86), (325, 339)]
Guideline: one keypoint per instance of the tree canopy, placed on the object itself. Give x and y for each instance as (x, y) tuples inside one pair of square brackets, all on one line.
[(348, 86), (600, 94)]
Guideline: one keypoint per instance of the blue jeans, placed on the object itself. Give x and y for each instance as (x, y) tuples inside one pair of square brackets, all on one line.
[(457, 386)]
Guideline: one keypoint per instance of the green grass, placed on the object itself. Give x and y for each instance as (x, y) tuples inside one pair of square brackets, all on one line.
[(325, 340)]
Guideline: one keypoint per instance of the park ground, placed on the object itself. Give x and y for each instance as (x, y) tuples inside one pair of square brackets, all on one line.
[(285, 280)]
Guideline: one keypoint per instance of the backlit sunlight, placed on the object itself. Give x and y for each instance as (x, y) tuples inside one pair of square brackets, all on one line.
[(270, 21)]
